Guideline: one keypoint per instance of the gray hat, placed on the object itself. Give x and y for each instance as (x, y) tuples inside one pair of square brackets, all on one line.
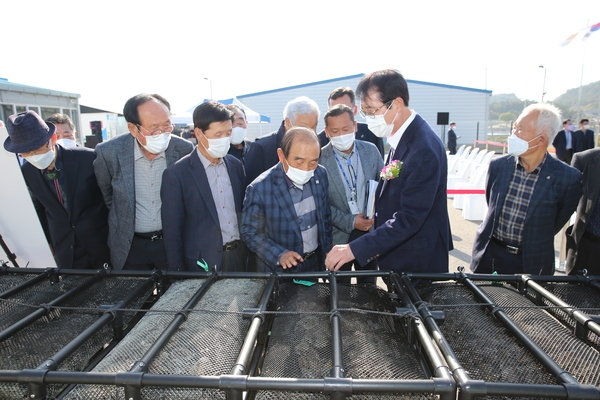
[(27, 132)]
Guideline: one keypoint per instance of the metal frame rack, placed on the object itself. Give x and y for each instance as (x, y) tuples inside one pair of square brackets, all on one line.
[(72, 334)]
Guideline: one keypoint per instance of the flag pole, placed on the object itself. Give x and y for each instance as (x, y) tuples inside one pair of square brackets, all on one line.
[(581, 78)]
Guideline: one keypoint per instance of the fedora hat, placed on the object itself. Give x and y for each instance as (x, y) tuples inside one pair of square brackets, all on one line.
[(27, 132)]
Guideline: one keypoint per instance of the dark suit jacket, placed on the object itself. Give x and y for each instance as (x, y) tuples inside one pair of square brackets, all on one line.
[(588, 162), (560, 144), (583, 140), (554, 199), (242, 153), (86, 217), (263, 153), (191, 230), (412, 229), (451, 140), (114, 171), (269, 222), (362, 133)]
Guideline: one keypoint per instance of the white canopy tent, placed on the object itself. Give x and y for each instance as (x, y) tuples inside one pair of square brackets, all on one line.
[(186, 117)]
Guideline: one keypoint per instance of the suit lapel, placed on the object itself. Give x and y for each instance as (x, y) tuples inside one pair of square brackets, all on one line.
[(592, 182), (331, 166), (127, 165), (236, 184), (201, 180), (542, 185), (71, 170), (400, 151)]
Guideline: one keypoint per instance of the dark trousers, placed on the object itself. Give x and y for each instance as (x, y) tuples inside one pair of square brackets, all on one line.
[(588, 256), (497, 259), (146, 254), (233, 260), (355, 234)]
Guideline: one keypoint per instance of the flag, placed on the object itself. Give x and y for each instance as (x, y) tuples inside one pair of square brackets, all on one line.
[(592, 29), (568, 40)]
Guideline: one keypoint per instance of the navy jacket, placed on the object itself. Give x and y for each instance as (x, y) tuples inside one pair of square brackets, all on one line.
[(412, 229), (554, 199), (86, 216), (262, 155), (269, 222), (191, 230)]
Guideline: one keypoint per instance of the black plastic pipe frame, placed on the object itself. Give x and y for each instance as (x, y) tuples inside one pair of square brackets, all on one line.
[(30, 282), (131, 380), (247, 350), (444, 385), (45, 310), (571, 388), (584, 322), (37, 390)]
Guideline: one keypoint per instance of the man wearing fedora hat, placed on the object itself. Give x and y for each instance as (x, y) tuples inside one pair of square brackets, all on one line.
[(63, 187)]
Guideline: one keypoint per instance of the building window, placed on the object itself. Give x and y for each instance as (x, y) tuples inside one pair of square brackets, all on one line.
[(6, 110), (47, 112)]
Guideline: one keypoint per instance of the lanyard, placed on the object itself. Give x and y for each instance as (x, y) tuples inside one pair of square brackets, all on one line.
[(352, 186)]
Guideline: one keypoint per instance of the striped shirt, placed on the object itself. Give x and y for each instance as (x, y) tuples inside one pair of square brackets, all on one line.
[(148, 178), (514, 210), (306, 212)]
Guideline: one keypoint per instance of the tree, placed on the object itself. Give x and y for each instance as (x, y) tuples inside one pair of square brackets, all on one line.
[(507, 116)]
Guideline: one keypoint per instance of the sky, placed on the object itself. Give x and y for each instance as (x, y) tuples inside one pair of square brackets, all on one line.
[(195, 49)]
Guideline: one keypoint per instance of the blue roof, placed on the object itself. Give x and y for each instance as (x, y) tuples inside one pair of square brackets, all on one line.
[(360, 76)]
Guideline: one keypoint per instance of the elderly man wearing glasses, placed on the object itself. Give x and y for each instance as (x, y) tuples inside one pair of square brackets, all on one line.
[(412, 229), (129, 171)]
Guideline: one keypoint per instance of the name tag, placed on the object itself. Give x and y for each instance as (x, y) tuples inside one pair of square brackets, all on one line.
[(353, 207)]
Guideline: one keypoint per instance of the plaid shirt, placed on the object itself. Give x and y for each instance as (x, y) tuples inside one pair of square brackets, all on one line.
[(514, 210)]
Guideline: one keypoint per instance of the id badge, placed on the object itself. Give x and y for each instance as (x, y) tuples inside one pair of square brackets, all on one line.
[(354, 210)]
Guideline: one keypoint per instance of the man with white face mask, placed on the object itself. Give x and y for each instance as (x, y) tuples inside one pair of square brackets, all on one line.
[(65, 130), (239, 144), (350, 164), (129, 170), (286, 220), (412, 229), (202, 198), (530, 195), (64, 190)]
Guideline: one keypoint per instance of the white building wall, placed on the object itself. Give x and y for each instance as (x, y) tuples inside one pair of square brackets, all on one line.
[(467, 107)]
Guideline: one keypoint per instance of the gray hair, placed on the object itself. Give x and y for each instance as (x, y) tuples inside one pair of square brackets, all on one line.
[(549, 119), (300, 105)]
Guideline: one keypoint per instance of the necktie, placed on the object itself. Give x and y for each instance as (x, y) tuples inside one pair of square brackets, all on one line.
[(390, 155), (58, 193)]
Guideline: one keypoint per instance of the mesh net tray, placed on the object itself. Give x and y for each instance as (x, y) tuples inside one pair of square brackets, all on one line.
[(207, 343), (39, 341), (374, 345)]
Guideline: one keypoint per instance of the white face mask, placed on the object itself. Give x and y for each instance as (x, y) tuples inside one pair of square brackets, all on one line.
[(585, 126), (343, 142), (218, 148), (379, 127), (299, 176), (41, 161), (158, 143), (66, 143), (518, 146), (237, 135)]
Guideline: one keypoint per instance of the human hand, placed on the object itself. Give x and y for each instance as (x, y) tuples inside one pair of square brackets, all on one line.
[(363, 224), (290, 259), (338, 256)]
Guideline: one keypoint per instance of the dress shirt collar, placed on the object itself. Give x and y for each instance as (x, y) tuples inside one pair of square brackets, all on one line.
[(395, 138), (137, 152), (205, 161)]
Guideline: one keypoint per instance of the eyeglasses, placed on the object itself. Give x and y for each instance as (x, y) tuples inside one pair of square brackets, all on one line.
[(371, 114), (164, 129)]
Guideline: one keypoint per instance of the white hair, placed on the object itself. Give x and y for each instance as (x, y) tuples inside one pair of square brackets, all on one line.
[(300, 105), (549, 119)]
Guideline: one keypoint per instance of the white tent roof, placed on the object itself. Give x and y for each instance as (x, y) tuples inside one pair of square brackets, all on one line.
[(252, 116)]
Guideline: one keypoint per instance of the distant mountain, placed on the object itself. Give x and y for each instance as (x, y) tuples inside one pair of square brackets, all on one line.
[(509, 103)]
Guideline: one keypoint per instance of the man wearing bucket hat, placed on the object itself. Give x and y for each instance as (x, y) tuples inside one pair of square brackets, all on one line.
[(63, 186)]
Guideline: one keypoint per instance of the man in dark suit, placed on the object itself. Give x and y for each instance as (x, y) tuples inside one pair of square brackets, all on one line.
[(345, 95), (202, 198), (350, 165), (583, 238), (129, 170), (286, 220), (66, 134), (583, 139), (563, 143), (300, 111), (412, 229), (530, 195), (239, 144), (64, 190), (452, 138)]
